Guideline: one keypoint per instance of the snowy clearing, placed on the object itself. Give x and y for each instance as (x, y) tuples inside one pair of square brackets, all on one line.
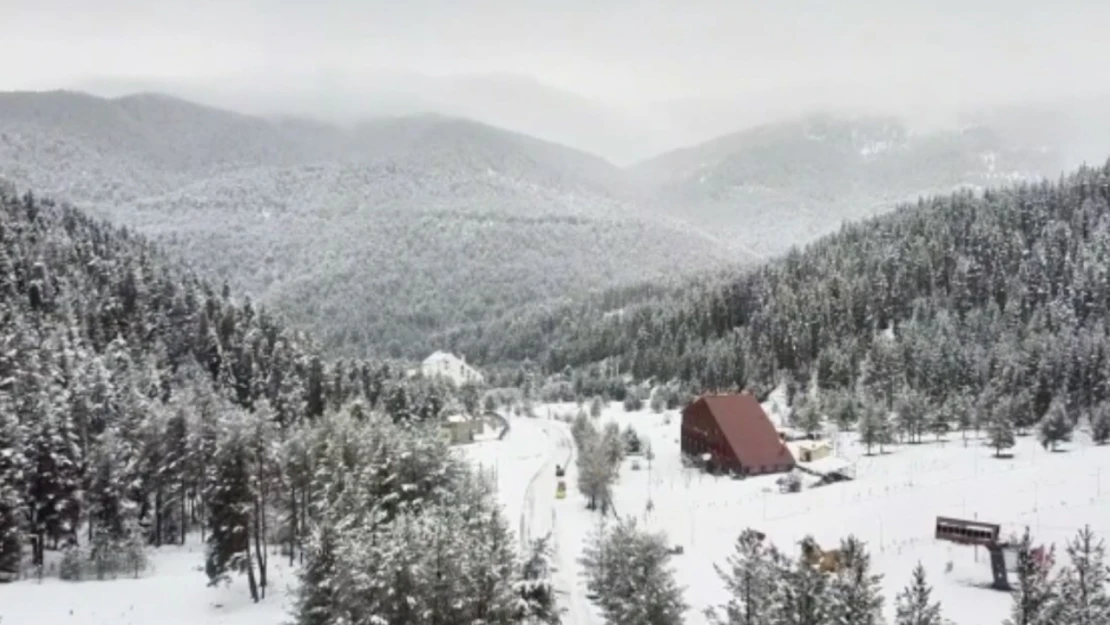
[(892, 504), (173, 592)]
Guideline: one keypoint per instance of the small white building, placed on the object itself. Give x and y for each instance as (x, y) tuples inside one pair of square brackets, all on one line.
[(450, 366)]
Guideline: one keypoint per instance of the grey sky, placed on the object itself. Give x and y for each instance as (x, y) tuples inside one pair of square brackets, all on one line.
[(897, 56), (615, 50)]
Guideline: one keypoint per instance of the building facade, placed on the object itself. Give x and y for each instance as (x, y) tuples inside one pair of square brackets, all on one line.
[(450, 366), (733, 434)]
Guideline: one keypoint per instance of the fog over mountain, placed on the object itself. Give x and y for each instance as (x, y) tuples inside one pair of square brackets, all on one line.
[(625, 80)]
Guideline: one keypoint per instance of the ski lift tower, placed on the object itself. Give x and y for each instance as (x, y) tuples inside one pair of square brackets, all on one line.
[(978, 534)]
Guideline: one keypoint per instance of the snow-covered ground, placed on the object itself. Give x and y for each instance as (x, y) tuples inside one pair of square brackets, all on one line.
[(172, 592), (524, 463), (892, 504)]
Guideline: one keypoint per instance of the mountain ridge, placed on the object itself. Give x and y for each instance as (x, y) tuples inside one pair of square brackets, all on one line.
[(379, 232)]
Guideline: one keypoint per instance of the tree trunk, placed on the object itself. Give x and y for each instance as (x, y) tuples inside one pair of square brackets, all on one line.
[(158, 505), (304, 522), (184, 511), (250, 574), (292, 522), (38, 551), (259, 552)]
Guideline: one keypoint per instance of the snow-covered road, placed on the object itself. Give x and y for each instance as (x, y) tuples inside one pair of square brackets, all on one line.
[(524, 463)]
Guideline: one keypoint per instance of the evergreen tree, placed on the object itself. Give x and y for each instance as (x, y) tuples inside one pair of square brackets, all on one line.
[(1000, 429), (632, 442), (537, 592), (595, 407), (230, 498), (1056, 426), (940, 422), (808, 417), (874, 426), (113, 474), (1084, 595), (1100, 423), (613, 445), (53, 476), (802, 596), (914, 605), (911, 408), (751, 581), (11, 501), (1035, 595), (628, 569), (596, 472), (854, 592)]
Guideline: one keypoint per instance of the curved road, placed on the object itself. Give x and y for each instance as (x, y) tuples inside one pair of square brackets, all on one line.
[(540, 515)]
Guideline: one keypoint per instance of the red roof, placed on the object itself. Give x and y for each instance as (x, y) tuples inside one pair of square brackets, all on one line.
[(750, 434)]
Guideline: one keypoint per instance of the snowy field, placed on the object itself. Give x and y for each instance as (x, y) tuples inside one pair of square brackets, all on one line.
[(892, 504), (172, 592)]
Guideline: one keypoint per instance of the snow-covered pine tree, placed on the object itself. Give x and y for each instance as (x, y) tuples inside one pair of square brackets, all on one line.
[(801, 596), (230, 498), (1035, 593), (582, 430), (632, 442), (613, 445), (628, 569), (175, 470), (53, 475), (914, 604), (843, 407), (1056, 426), (315, 600), (1100, 423), (874, 425), (1000, 428), (112, 474), (940, 421), (808, 416), (750, 581), (117, 538), (963, 412), (1084, 595), (855, 593), (535, 586), (596, 473), (491, 569), (11, 500), (912, 410)]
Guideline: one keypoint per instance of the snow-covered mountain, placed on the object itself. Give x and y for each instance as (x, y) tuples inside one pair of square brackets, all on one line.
[(371, 236), (776, 185), (512, 101)]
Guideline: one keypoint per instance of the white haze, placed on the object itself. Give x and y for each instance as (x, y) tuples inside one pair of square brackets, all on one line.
[(622, 78)]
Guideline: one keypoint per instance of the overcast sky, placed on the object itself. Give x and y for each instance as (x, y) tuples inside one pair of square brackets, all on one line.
[(898, 56), (615, 50)]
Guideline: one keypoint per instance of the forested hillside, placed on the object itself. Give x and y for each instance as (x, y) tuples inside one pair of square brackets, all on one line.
[(371, 237), (787, 183), (138, 405), (1000, 298)]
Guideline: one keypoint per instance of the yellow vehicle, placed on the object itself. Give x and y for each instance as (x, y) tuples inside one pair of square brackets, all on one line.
[(561, 490)]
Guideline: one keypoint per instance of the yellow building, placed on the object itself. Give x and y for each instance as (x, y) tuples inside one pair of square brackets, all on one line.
[(808, 451)]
